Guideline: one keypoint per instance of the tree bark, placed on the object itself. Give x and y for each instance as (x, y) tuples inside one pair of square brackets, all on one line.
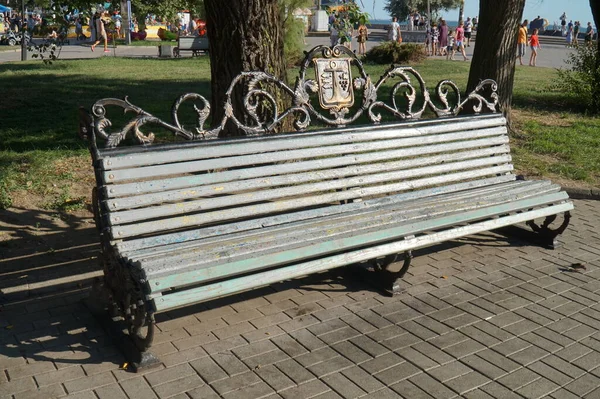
[(461, 11), (244, 35), (495, 51)]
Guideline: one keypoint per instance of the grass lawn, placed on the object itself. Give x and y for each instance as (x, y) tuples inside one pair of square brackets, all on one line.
[(43, 163)]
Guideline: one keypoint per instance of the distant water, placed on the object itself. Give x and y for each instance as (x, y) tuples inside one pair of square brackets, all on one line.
[(389, 21)]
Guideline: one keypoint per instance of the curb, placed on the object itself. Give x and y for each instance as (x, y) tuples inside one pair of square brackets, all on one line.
[(583, 193)]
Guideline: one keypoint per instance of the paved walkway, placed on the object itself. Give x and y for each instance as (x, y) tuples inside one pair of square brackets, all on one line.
[(483, 317), (550, 56)]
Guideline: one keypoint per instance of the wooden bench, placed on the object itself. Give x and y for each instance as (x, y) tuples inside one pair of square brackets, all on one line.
[(187, 222), (195, 44)]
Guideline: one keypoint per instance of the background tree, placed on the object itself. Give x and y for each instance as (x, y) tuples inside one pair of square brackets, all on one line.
[(245, 35), (595, 6), (494, 56), (402, 8)]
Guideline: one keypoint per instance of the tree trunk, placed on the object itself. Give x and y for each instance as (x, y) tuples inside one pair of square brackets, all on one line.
[(245, 35), (595, 6), (495, 51), (461, 11)]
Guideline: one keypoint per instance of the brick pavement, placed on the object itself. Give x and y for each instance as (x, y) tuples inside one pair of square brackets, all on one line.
[(499, 319)]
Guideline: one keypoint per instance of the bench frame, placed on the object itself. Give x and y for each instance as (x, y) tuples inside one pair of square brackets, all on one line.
[(338, 102)]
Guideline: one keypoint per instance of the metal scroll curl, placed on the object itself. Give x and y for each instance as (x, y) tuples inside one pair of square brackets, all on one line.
[(329, 98)]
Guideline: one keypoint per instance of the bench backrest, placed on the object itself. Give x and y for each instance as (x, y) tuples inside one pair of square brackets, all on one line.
[(161, 188), (193, 42)]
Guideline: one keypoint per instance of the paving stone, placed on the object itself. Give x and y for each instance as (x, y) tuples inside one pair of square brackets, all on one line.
[(429, 385), (446, 340), (208, 370), (449, 371), (435, 354), (467, 382), (169, 374), (295, 371), (409, 390), (362, 379), (317, 356), (351, 352), (306, 390), (343, 386), (381, 363), (565, 367), (538, 389), (417, 358), (235, 383), (498, 360), (259, 390), (307, 339), (112, 391), (464, 348), (518, 379), (564, 394), (369, 346), (138, 388), (229, 363), (48, 391), (529, 355), (62, 375), (274, 378), (28, 370), (266, 358), (483, 366), (499, 392), (583, 385), (572, 352), (89, 383), (358, 324), (397, 373)]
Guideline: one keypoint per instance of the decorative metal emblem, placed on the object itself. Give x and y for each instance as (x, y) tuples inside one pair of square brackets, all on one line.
[(335, 82), (333, 85)]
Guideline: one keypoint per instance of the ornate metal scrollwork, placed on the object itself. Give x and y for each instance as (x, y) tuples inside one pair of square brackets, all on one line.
[(333, 85)]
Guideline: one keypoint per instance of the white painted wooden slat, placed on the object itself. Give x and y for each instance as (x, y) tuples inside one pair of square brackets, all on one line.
[(226, 148), (123, 231), (361, 178), (292, 155), (126, 246), (165, 302), (140, 201), (159, 185)]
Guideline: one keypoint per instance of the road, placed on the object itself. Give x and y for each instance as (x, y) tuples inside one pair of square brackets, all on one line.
[(550, 56)]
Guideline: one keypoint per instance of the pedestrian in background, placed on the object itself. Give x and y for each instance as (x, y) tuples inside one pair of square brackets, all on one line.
[(534, 42), (522, 41)]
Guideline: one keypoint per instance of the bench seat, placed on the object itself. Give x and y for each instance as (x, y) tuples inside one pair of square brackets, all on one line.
[(201, 220)]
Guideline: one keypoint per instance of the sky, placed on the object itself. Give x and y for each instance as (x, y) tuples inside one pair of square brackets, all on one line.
[(577, 10)]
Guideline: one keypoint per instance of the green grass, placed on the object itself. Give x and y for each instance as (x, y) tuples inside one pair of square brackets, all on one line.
[(42, 157)]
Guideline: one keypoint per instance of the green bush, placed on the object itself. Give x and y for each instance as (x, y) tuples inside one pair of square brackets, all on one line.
[(396, 53), (582, 80)]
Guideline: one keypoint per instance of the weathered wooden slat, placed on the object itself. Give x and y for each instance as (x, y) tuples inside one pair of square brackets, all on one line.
[(348, 243), (302, 140), (113, 176), (354, 215), (226, 249), (361, 178), (386, 164), (160, 185), (132, 230), (170, 301), (304, 215)]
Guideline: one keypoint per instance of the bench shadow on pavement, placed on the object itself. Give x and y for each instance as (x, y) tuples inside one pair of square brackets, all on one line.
[(43, 318)]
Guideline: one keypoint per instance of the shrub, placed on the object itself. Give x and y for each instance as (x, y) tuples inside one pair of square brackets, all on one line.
[(395, 53), (582, 80)]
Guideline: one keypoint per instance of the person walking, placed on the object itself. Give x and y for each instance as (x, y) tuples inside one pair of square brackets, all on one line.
[(468, 31), (443, 37), (522, 41), (563, 23), (363, 34), (534, 42), (569, 36), (100, 32), (450, 47), (460, 37), (435, 37), (394, 33), (589, 35), (576, 28)]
